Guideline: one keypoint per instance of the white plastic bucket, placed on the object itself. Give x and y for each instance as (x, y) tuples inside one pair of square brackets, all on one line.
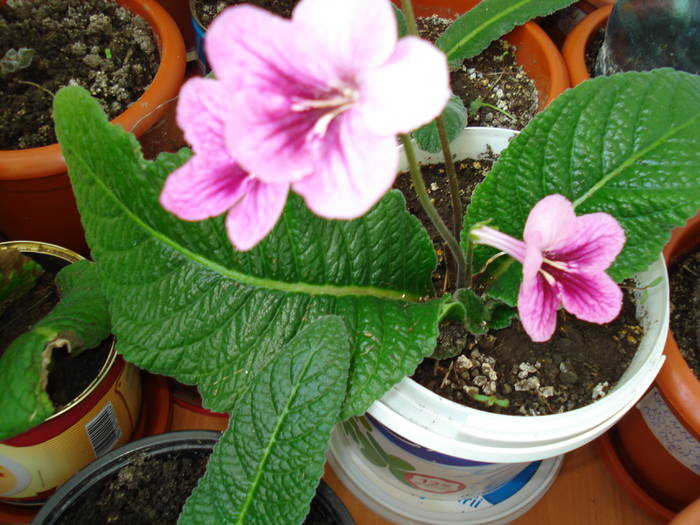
[(431, 421), (499, 505)]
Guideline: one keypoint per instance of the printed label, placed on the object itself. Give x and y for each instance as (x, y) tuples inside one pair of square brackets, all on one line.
[(669, 431), (104, 431), (433, 484)]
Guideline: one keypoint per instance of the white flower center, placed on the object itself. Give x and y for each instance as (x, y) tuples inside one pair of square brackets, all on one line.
[(332, 106)]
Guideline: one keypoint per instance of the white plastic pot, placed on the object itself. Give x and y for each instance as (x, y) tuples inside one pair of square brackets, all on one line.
[(458, 461)]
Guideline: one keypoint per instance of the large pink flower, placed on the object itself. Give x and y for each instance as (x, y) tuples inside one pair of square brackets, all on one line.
[(564, 260), (313, 104)]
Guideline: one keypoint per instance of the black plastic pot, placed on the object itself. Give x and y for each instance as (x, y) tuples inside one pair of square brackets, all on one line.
[(189, 440)]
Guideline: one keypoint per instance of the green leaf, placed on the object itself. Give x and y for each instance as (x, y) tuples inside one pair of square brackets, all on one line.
[(79, 321), (471, 33), (18, 273), (475, 320), (628, 145), (455, 118), (267, 464), (184, 303)]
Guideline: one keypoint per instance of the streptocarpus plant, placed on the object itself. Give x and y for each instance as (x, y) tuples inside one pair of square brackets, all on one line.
[(185, 303)]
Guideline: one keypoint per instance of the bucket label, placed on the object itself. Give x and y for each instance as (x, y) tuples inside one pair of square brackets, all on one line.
[(29, 474), (433, 484), (669, 431)]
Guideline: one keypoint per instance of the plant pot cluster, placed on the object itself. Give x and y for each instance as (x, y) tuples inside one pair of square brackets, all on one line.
[(36, 200)]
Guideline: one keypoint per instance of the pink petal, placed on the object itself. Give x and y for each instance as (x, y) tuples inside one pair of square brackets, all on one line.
[(354, 35), (200, 188), (354, 170), (596, 242), (550, 221), (256, 214), (533, 259), (410, 90), (202, 104), (537, 307), (592, 297), (268, 139)]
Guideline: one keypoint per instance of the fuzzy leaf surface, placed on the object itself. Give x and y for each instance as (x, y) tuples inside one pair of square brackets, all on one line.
[(471, 33), (265, 468), (454, 116), (627, 145), (18, 273), (184, 303), (80, 320)]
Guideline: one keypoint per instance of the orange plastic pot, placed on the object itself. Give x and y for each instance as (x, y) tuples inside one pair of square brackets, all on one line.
[(188, 413), (574, 49), (179, 10), (658, 443), (536, 52), (36, 200)]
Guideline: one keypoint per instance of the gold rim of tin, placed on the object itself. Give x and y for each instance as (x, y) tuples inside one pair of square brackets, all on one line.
[(45, 248)]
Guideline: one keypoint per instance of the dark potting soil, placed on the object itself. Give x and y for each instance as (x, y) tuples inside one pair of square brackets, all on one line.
[(206, 10), (493, 77), (94, 43), (593, 50), (69, 375), (684, 277), (153, 490), (580, 364)]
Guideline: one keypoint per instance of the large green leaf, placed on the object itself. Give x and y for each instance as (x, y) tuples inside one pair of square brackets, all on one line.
[(265, 468), (184, 303), (471, 33), (78, 321), (628, 145)]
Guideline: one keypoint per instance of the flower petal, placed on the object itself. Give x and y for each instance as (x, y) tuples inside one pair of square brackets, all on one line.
[(537, 307), (596, 242), (410, 90), (202, 104), (200, 188), (353, 171), (254, 216), (550, 221), (338, 29), (592, 297)]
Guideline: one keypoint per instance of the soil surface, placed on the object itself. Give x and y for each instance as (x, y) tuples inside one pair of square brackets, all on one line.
[(153, 490), (206, 10), (684, 276), (580, 364), (493, 77), (94, 43), (69, 375)]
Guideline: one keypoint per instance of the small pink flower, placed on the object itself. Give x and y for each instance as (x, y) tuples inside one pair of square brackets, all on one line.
[(564, 259), (313, 104)]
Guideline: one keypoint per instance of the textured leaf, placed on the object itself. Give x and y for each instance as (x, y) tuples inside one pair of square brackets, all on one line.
[(79, 321), (186, 304), (455, 118), (18, 273), (628, 145), (400, 21), (471, 33), (266, 466)]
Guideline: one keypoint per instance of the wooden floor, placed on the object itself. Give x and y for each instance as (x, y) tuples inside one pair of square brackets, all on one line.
[(584, 493)]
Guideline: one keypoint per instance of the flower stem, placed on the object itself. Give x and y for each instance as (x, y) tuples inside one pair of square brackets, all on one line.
[(433, 215), (407, 7), (457, 213)]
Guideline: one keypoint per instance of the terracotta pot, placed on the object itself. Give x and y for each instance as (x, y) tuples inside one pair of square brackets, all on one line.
[(689, 516), (657, 445), (188, 413), (574, 49), (179, 10), (536, 52), (36, 200)]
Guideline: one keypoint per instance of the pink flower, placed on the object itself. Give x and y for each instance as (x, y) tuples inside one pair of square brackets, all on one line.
[(313, 104), (564, 259)]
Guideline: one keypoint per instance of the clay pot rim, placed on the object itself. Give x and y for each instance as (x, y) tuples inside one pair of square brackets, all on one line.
[(574, 48), (45, 161), (676, 381)]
